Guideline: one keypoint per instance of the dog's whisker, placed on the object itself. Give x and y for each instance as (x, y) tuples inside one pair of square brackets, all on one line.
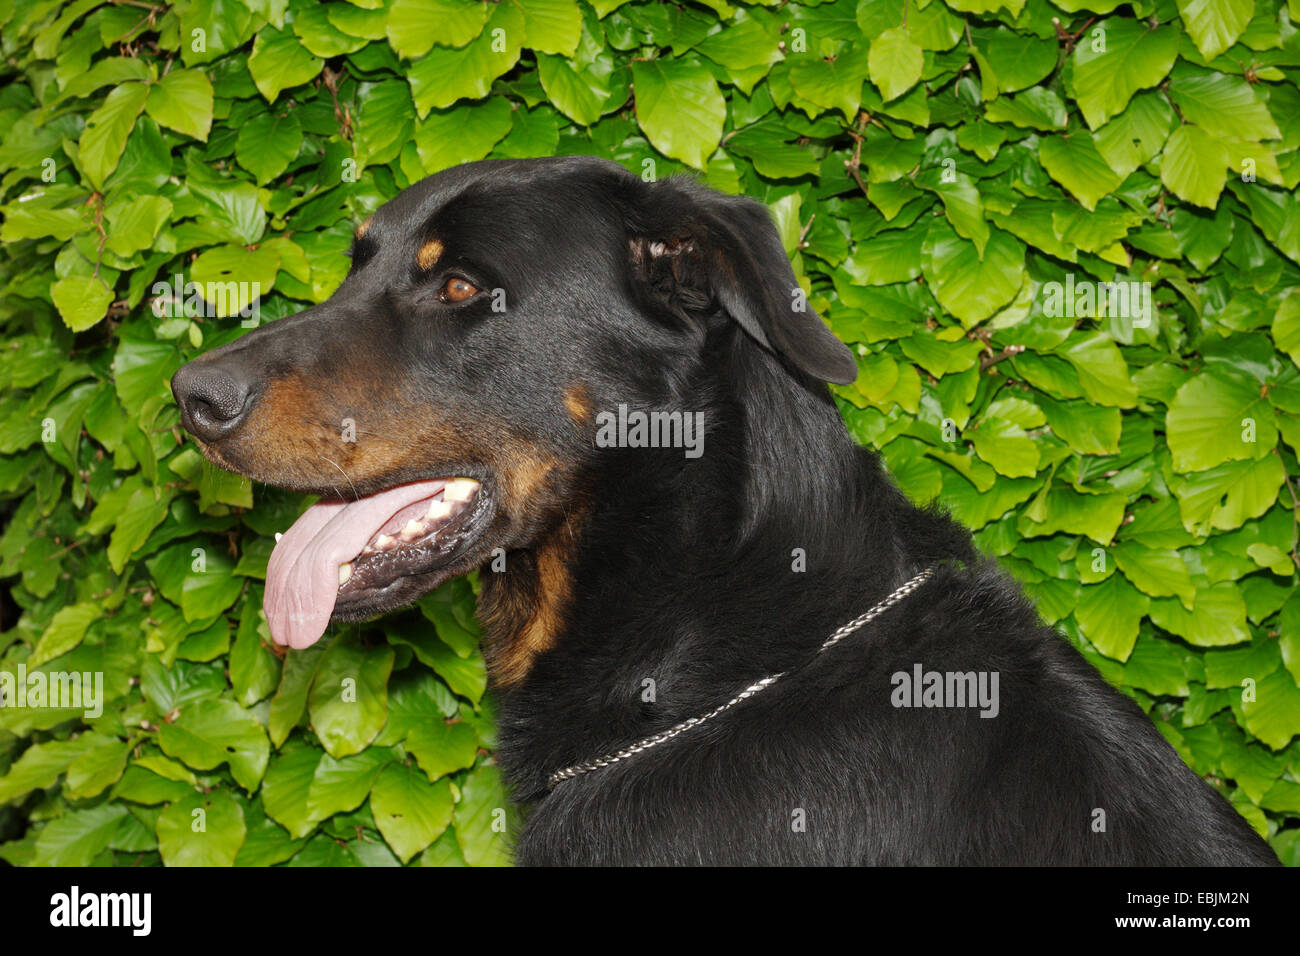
[(345, 476)]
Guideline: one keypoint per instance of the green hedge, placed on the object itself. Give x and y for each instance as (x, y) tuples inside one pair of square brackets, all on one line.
[(948, 178)]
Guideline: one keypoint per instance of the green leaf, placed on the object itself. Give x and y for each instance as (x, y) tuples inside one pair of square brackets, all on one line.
[(1274, 715), (1128, 56), (1000, 437), (65, 631), (254, 670), (461, 134), (832, 84), (1157, 667), (41, 764), (209, 733), (290, 701), (305, 785), (313, 26), (202, 829), (1195, 165), (1103, 374), (231, 277), (983, 139), (482, 818), (1159, 573), (268, 143), (1217, 616), (551, 26), (266, 842), (82, 301), (1229, 494), (742, 45), (679, 108), (279, 62), (349, 697), (1109, 614), (970, 289), (134, 225), (144, 786), (77, 837), (1137, 135), (208, 592), (1286, 327), (410, 811), (1217, 417), (1202, 238), (1037, 108), (385, 121), (443, 76), (887, 257), (96, 770), (764, 145), (963, 207), (894, 62), (535, 132), (1215, 25), (1074, 162), (464, 675), (182, 100), (1088, 429), (226, 25), (413, 26), (1063, 509), (37, 223), (1223, 104), (104, 137), (442, 748), (1022, 61), (144, 511)]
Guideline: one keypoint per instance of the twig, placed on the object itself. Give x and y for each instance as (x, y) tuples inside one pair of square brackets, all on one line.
[(803, 233), (988, 359), (854, 163)]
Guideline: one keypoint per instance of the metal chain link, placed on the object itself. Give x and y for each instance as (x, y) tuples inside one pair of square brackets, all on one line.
[(760, 685)]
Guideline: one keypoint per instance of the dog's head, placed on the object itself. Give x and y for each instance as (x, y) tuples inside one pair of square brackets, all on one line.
[(442, 400)]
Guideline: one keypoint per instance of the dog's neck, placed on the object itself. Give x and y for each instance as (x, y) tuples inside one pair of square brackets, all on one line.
[(741, 560)]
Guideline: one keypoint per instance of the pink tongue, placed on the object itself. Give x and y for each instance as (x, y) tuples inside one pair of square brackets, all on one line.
[(302, 579)]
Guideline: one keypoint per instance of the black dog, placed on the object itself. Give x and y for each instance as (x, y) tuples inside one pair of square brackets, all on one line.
[(516, 325)]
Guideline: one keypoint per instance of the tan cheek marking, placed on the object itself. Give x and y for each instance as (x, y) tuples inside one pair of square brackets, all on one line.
[(523, 615), (429, 254), (524, 474), (364, 227)]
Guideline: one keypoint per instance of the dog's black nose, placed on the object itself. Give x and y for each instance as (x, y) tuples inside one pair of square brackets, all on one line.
[(213, 401)]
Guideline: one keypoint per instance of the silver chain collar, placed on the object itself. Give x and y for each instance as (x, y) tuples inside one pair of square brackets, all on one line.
[(663, 736)]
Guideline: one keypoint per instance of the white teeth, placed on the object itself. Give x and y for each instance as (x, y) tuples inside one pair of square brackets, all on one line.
[(460, 490), (278, 536), (454, 494), (345, 572)]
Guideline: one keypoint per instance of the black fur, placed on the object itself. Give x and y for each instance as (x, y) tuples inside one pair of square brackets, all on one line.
[(671, 297)]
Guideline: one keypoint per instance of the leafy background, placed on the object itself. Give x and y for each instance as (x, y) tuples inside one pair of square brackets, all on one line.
[(929, 166)]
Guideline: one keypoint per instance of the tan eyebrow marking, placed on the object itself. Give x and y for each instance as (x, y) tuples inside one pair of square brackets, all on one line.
[(429, 254), (578, 402), (361, 229)]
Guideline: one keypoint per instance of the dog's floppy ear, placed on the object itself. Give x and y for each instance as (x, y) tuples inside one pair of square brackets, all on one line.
[(697, 250)]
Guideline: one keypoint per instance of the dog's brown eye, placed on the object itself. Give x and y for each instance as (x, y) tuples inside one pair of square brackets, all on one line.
[(457, 290)]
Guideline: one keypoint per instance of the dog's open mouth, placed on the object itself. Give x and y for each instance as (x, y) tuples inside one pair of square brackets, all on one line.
[(340, 558)]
